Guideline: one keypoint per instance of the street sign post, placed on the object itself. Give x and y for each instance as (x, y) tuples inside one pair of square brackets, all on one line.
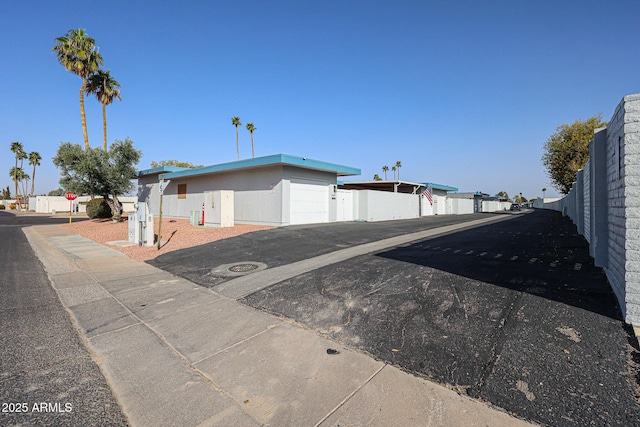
[(70, 197)]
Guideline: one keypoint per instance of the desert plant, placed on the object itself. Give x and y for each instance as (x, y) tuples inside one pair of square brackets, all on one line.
[(98, 208)]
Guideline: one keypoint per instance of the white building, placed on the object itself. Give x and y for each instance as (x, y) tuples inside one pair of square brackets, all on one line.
[(272, 190)]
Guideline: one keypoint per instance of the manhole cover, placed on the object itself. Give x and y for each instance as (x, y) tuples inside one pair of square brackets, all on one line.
[(243, 268)]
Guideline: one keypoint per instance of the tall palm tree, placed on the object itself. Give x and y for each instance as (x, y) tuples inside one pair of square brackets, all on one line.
[(34, 160), (78, 53), (20, 177), (544, 190), (106, 89), (393, 168), (16, 148), (23, 176), (398, 166), (235, 120), (251, 128), (385, 169)]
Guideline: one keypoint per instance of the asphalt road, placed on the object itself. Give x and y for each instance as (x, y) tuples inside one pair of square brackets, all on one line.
[(513, 313), (47, 376)]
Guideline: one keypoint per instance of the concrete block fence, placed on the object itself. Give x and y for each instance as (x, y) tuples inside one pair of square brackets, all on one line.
[(604, 203)]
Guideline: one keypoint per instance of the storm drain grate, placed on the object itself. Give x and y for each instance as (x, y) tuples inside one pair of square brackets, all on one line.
[(243, 268)]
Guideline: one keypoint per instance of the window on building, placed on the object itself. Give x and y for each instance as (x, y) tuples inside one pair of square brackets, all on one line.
[(182, 191)]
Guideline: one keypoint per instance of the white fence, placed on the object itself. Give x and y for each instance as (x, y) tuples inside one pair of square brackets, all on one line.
[(604, 203)]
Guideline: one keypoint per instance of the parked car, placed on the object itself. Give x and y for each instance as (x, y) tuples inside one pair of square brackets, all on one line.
[(515, 207)]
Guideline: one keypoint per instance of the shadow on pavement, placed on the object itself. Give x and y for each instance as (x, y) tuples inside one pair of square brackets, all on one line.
[(540, 253)]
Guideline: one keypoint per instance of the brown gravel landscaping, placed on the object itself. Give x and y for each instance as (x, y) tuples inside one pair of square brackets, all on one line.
[(176, 234)]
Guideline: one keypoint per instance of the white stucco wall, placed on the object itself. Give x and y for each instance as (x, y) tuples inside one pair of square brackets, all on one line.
[(383, 205), (460, 206), (261, 195)]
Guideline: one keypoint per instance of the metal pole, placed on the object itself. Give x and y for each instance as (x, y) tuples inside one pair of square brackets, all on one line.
[(70, 202), (160, 220)]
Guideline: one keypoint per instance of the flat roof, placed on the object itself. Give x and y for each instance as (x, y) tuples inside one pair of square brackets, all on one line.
[(161, 169), (273, 160), (402, 186), (440, 186)]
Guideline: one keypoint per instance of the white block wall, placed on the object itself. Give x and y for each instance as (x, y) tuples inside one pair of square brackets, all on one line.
[(604, 203)]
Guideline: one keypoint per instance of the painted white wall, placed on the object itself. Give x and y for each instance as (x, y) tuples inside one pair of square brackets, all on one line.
[(491, 206), (382, 205), (48, 204), (344, 206), (261, 195), (461, 206)]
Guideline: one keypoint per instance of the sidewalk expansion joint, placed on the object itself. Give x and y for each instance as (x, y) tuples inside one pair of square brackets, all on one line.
[(353, 393)]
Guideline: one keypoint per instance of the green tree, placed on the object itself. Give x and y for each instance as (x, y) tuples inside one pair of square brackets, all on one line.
[(16, 148), (56, 192), (567, 151), (235, 120), (77, 53), (503, 195), (393, 168), (98, 172), (106, 89), (34, 160), (175, 163), (544, 190), (398, 166), (376, 177), (251, 128), (385, 169)]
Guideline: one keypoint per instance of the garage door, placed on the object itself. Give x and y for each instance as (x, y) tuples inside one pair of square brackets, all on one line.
[(309, 201)]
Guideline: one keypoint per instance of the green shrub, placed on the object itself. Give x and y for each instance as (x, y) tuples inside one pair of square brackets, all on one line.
[(2, 207), (98, 208)]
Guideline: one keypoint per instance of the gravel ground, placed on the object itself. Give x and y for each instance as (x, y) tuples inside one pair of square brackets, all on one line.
[(176, 234)]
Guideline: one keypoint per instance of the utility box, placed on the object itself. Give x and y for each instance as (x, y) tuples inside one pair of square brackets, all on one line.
[(194, 217), (141, 230), (131, 231), (218, 208)]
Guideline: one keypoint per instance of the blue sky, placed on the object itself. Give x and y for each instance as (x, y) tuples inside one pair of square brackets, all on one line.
[(463, 93)]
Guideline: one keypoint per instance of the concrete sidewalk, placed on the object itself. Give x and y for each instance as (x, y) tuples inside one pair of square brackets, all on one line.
[(176, 353)]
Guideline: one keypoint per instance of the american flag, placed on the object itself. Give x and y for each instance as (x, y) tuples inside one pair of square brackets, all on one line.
[(428, 193)]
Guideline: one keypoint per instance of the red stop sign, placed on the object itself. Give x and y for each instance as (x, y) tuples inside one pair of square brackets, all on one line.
[(70, 196)]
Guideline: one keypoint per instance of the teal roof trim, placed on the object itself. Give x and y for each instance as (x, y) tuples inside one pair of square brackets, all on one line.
[(276, 159), (440, 186), (161, 169)]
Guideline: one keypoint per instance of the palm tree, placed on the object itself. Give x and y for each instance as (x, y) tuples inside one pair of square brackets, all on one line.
[(19, 176), (34, 160), (393, 168), (77, 53), (251, 128), (398, 166), (376, 177), (544, 190), (235, 120), (16, 148), (106, 89), (6, 193), (385, 169), (23, 176)]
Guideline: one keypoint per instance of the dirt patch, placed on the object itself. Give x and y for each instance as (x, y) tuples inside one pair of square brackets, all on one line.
[(176, 234)]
